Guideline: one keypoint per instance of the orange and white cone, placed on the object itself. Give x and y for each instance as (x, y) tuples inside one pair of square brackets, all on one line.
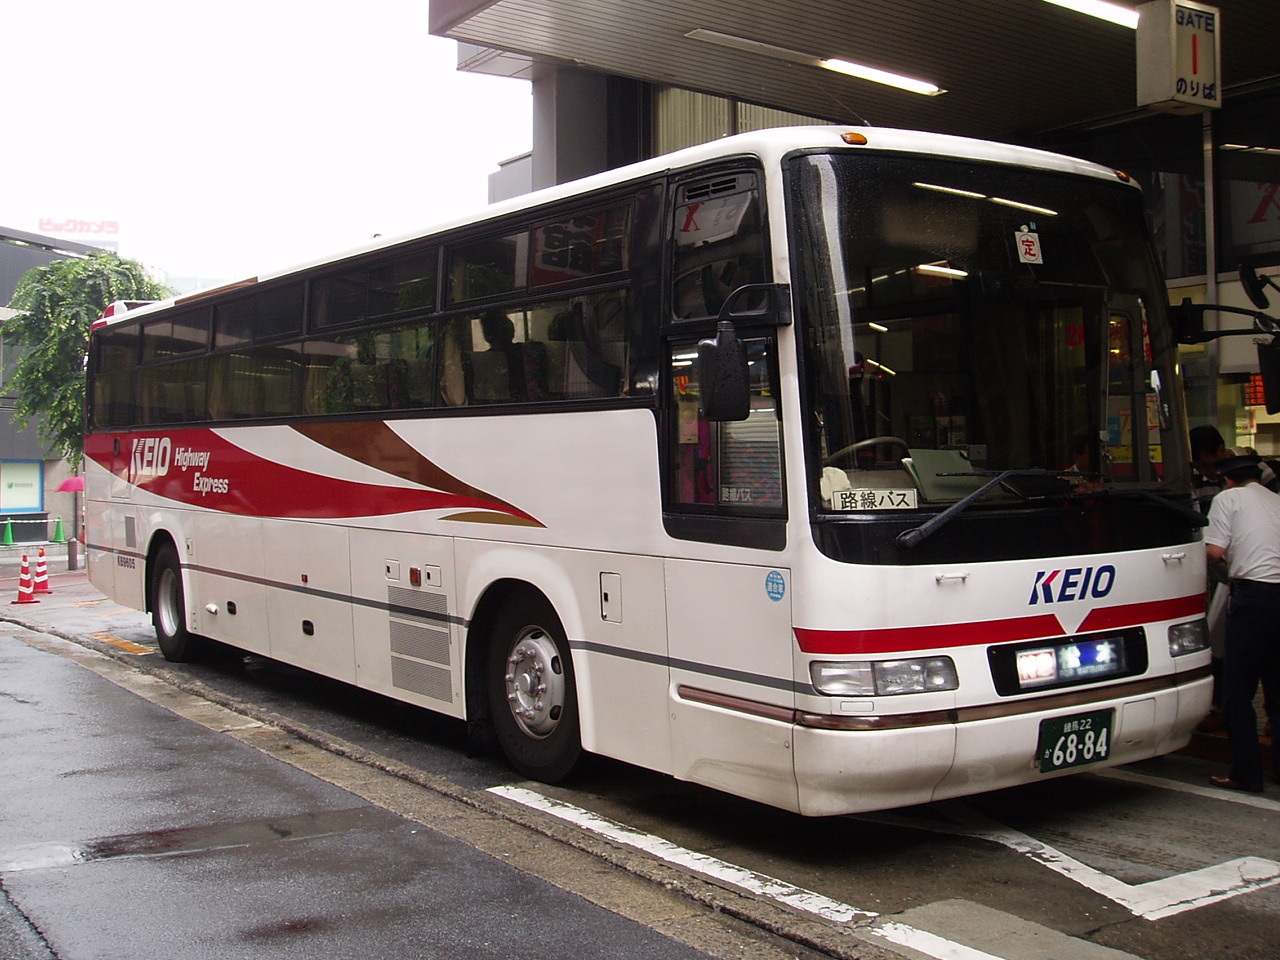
[(42, 574), (26, 589)]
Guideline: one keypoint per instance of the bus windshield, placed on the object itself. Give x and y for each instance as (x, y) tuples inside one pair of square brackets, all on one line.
[(966, 321)]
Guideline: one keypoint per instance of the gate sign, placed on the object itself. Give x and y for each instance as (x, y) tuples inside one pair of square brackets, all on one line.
[(1179, 59)]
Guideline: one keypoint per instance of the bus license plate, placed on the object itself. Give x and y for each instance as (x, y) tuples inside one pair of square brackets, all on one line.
[(1075, 740)]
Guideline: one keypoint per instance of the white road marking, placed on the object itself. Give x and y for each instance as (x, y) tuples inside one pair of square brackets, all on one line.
[(1152, 900), (929, 944), (752, 882), (1213, 793), (756, 883)]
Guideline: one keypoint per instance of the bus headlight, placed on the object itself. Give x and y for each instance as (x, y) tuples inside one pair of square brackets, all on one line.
[(883, 678), (1187, 638)]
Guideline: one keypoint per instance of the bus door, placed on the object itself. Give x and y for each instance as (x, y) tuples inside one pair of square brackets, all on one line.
[(728, 592), (729, 610)]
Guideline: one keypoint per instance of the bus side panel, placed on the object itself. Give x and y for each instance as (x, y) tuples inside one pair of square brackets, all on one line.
[(729, 633), (623, 662), (227, 573), (122, 525), (99, 558), (309, 612), (407, 633), (620, 664)]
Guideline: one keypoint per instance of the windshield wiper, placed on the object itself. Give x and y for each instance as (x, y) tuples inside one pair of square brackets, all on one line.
[(917, 535)]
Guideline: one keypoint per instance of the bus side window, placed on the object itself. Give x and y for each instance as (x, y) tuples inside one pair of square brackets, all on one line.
[(583, 345), (727, 467), (719, 243)]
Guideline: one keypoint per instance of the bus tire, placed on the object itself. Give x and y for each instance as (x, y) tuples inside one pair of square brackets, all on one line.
[(533, 701), (169, 608)]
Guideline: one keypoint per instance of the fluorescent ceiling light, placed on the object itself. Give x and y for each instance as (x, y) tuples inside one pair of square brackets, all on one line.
[(878, 327), (909, 84), (880, 366), (1249, 149), (954, 191), (809, 60), (1111, 12), (938, 270), (969, 194), (1019, 205)]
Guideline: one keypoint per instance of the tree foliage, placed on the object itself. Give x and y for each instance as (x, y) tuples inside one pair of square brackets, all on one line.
[(57, 304)]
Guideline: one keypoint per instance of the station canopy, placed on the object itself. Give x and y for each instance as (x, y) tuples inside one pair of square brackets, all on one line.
[(1011, 69)]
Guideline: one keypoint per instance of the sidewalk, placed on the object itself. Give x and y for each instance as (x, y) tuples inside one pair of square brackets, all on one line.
[(56, 557)]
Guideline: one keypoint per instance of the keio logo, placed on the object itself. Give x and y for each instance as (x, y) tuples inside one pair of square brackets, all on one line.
[(1073, 583)]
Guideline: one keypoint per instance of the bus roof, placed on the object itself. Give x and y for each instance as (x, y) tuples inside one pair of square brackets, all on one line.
[(770, 146)]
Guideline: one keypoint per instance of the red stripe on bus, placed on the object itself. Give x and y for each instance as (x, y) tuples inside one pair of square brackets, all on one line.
[(904, 639), (899, 639), (233, 480), (1153, 611)]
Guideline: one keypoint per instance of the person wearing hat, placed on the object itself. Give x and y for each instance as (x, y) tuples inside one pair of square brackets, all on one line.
[(1244, 531)]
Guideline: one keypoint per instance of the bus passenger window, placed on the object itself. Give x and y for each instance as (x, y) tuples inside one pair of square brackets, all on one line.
[(405, 284), (339, 300), (585, 344), (497, 359), (488, 267), (581, 247)]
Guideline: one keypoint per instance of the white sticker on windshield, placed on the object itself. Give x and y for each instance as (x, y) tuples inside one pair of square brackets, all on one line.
[(1028, 244), (865, 499)]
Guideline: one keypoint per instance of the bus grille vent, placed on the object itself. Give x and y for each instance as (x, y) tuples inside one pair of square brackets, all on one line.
[(423, 678), (421, 659), (712, 188), (418, 605), (422, 643)]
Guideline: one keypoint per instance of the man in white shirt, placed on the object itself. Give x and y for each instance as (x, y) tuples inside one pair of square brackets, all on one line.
[(1244, 530)]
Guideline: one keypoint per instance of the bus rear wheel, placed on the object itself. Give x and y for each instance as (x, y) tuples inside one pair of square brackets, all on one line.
[(169, 608), (533, 701)]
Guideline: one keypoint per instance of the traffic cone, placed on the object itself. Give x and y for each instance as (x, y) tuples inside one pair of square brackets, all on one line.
[(42, 574), (26, 589), (8, 534), (58, 535)]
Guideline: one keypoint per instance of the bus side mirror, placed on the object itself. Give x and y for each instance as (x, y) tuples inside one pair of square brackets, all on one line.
[(723, 381), (1188, 321), (1254, 286), (1269, 368)]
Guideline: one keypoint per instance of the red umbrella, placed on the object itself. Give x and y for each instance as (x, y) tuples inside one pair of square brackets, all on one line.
[(71, 485)]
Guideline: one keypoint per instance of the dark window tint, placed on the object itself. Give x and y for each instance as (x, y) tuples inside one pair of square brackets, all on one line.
[(488, 267), (114, 377), (173, 392), (580, 247), (265, 315), (405, 284), (718, 242), (259, 382), (391, 369), (175, 335), (339, 300)]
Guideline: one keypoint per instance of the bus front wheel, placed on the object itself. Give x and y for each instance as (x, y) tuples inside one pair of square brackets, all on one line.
[(169, 608), (532, 698)]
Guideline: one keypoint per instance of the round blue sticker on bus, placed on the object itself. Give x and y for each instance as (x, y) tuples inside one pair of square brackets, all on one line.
[(775, 586)]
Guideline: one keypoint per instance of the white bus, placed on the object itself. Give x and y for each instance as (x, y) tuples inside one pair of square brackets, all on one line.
[(838, 469)]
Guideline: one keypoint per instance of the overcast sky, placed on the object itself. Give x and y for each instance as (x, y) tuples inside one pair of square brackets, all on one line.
[(235, 137)]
